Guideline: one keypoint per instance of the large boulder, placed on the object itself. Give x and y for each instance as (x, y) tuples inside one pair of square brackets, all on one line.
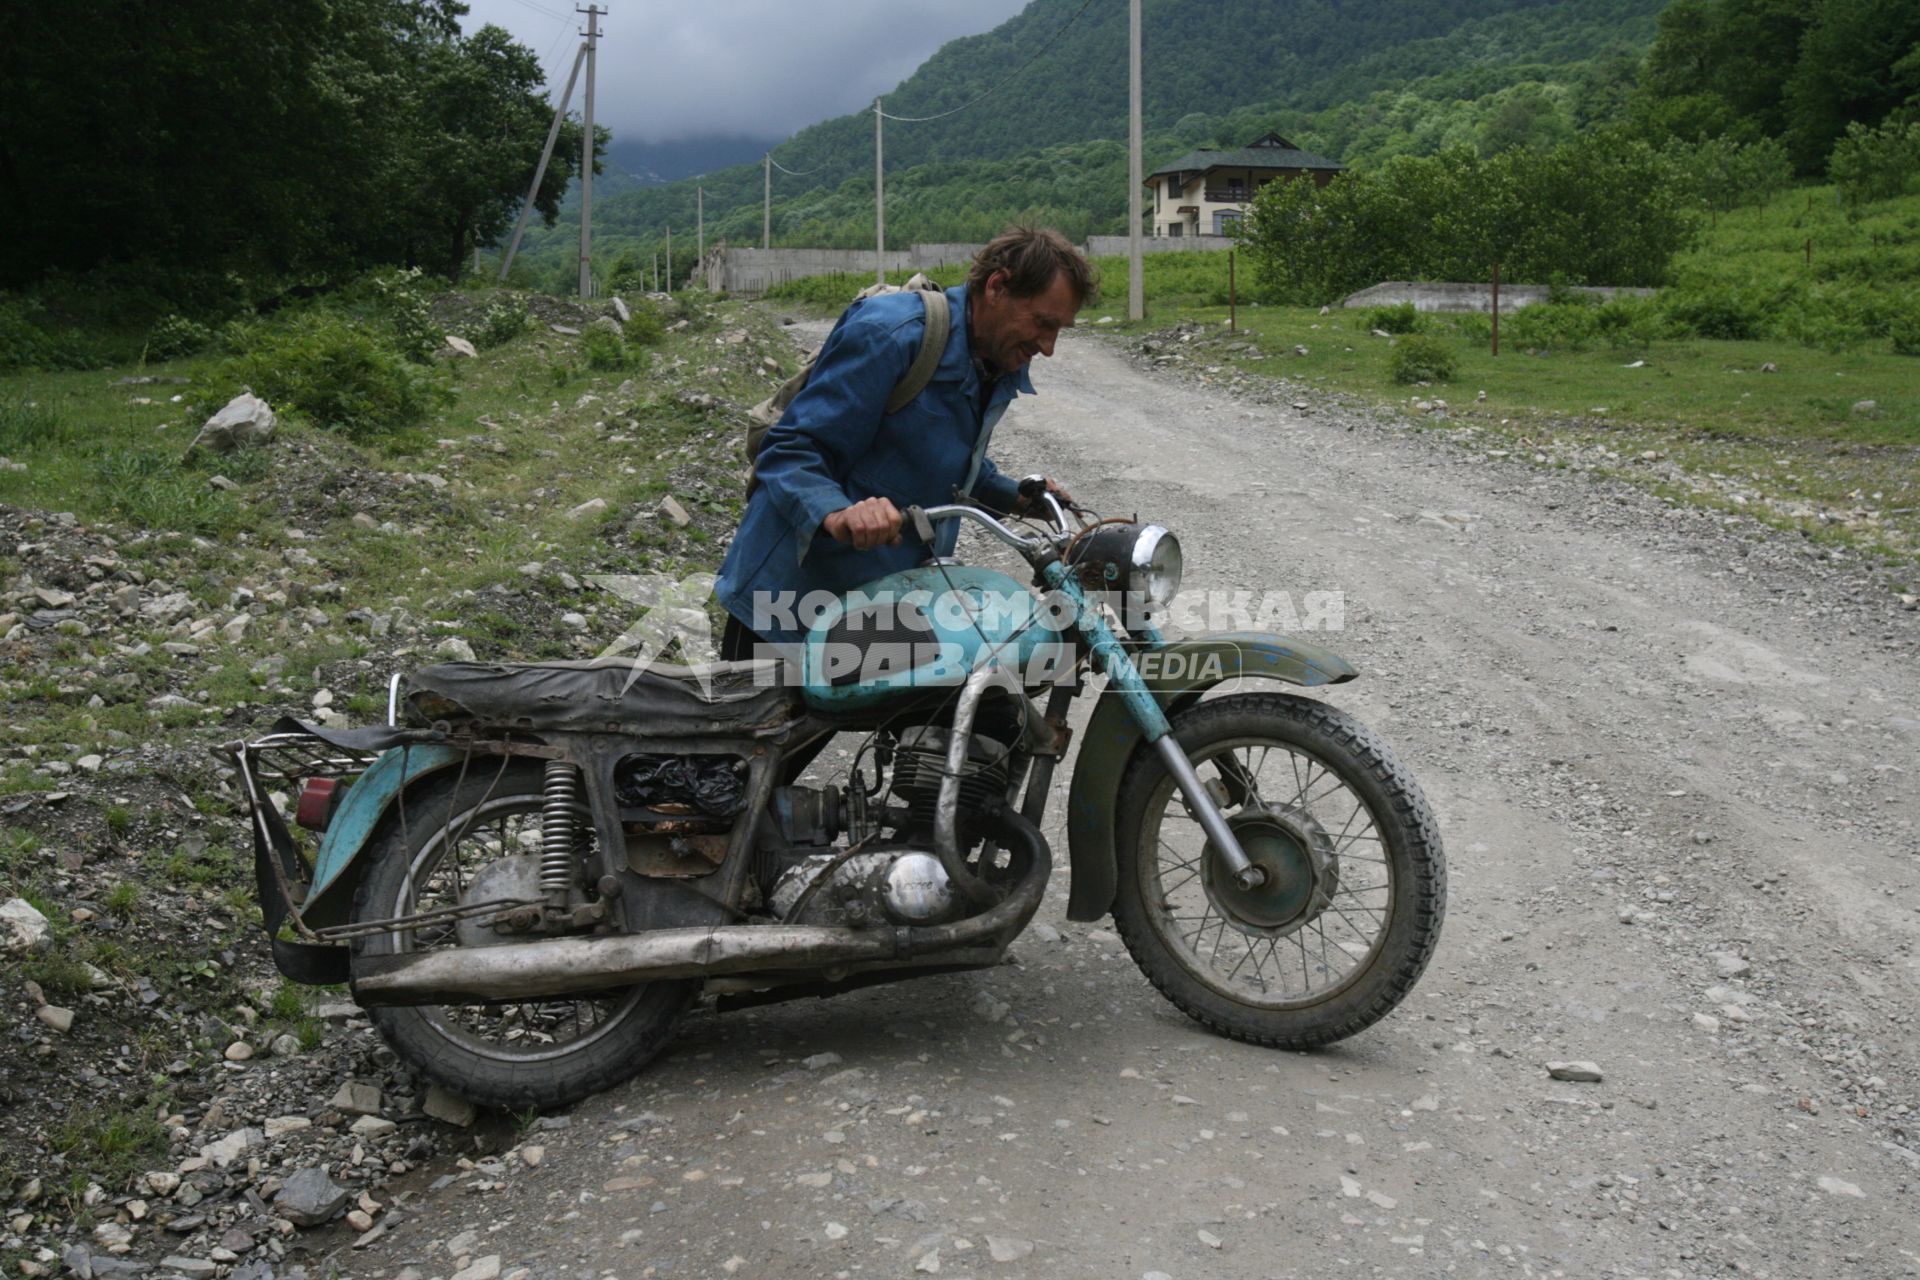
[(246, 420)]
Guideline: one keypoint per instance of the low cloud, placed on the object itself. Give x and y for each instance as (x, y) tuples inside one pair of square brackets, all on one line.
[(763, 68)]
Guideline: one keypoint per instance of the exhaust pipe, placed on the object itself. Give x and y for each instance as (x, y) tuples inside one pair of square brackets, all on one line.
[(573, 966)]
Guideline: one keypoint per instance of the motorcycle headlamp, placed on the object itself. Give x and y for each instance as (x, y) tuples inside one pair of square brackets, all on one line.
[(1142, 560)]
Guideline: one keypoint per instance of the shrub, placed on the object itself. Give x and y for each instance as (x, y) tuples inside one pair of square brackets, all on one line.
[(604, 350), (22, 345), (1562, 294), (1421, 357), (1904, 329), (1397, 319), (644, 326), (1721, 173), (1555, 326), (1474, 326), (398, 301), (176, 335), (1716, 311), (25, 342), (1876, 164), (1631, 322), (504, 320), (337, 373)]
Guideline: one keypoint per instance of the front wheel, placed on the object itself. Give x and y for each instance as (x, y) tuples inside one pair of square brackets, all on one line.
[(1355, 886), (476, 838)]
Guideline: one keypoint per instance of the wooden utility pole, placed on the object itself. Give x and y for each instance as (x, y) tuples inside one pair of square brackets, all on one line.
[(1233, 296), (1136, 270), (699, 226), (593, 13), (766, 201), (669, 259), (879, 200), (1496, 308), (540, 171)]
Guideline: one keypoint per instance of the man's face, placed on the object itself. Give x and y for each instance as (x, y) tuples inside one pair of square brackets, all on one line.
[(1010, 331)]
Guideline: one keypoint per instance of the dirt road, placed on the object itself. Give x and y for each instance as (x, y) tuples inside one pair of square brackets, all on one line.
[(1675, 767)]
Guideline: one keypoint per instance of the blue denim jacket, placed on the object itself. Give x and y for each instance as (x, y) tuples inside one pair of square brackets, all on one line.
[(836, 445)]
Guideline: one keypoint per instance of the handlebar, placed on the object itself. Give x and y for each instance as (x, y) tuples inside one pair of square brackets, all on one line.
[(921, 519)]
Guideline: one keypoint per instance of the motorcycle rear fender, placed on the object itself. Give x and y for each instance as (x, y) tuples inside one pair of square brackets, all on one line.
[(1178, 673), (337, 867)]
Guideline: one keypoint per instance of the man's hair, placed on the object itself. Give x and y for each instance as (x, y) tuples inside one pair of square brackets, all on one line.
[(1031, 257)]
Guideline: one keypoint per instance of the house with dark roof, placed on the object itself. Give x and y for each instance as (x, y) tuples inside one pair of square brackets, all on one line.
[(1206, 192)]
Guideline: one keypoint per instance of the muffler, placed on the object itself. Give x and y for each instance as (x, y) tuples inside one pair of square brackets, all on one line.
[(573, 966)]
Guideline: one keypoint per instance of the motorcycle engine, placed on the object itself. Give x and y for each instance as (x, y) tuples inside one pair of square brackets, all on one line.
[(861, 888), (809, 880), (921, 760)]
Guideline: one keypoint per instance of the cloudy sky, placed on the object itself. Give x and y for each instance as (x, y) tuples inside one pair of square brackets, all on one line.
[(759, 67)]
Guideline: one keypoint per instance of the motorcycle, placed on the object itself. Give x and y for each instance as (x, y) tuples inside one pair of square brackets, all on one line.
[(528, 876)]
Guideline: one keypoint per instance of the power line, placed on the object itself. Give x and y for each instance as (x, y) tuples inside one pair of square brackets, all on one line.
[(550, 63), (540, 8), (790, 173), (1051, 40)]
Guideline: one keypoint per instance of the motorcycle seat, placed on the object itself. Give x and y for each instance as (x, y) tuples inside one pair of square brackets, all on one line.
[(608, 694)]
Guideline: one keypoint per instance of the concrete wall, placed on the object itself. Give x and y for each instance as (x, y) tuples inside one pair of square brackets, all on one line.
[(732, 269), (737, 270), (942, 255), (1108, 246), (1471, 297)]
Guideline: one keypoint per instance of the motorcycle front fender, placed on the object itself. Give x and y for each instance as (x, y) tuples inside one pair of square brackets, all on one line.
[(1178, 673)]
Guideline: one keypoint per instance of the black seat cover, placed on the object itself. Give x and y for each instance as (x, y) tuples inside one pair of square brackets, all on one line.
[(608, 693)]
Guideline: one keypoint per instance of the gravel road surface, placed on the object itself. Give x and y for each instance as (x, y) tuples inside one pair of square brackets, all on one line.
[(1674, 762)]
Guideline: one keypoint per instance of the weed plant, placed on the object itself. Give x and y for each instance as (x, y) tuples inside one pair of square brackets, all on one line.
[(1420, 357)]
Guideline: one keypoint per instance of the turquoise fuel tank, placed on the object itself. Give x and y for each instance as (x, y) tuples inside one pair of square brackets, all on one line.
[(928, 628)]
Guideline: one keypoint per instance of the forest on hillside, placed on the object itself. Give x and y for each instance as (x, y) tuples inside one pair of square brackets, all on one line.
[(289, 143), (282, 147), (1364, 84)]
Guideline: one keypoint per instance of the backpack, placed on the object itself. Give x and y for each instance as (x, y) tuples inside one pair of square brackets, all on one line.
[(933, 342)]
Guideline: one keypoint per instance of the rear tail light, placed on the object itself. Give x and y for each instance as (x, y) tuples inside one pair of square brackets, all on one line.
[(318, 799)]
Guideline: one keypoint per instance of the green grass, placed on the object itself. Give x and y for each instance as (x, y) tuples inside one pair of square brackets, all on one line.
[(112, 1147), (91, 449), (1792, 434), (1877, 245)]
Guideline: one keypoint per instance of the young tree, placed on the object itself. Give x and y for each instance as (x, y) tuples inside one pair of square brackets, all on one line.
[(477, 122)]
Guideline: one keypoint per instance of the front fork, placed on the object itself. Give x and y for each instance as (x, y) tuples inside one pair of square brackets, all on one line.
[(1147, 713)]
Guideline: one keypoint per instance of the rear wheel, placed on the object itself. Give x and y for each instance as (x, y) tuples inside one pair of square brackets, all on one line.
[(472, 839), (1350, 910)]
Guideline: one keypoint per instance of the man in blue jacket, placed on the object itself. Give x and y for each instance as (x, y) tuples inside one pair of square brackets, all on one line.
[(837, 470)]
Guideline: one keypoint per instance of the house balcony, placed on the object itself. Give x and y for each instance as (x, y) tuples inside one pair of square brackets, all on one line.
[(1228, 195)]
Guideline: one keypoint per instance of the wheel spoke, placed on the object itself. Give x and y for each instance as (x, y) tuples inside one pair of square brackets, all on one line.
[(1213, 930), (497, 827)]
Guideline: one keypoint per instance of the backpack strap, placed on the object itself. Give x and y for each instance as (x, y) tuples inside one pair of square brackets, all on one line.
[(933, 344)]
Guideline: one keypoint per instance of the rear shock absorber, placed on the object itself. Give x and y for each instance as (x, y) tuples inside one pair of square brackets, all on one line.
[(557, 826)]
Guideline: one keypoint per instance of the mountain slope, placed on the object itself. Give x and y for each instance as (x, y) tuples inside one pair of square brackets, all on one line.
[(1048, 141)]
